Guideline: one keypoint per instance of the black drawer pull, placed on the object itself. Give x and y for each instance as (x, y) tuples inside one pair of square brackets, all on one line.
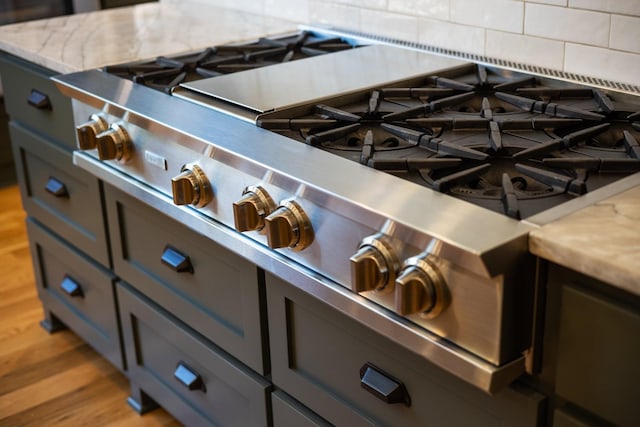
[(56, 187), (71, 287), (383, 386), (39, 100), (178, 262), (189, 378)]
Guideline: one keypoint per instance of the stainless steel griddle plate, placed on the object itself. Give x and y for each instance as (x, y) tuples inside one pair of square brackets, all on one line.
[(292, 83)]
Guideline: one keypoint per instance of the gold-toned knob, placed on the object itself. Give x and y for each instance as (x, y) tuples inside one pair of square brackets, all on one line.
[(289, 227), (374, 266), (420, 288), (191, 187), (250, 211), (87, 133), (114, 144)]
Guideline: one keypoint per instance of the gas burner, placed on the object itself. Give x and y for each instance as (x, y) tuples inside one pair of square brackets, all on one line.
[(499, 139), (165, 73)]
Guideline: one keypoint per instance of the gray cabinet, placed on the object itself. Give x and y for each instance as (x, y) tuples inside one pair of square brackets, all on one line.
[(186, 374), (289, 412), (351, 375), (592, 348), (66, 224), (76, 291), (214, 291), (65, 198), (7, 168), (32, 99)]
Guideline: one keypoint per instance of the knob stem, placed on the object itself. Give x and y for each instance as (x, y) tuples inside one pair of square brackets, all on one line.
[(114, 144), (374, 266), (250, 211), (191, 187), (420, 288), (87, 133), (289, 226)]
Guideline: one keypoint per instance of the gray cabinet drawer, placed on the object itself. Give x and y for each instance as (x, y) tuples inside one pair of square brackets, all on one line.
[(76, 291), (220, 296), (598, 352), (19, 80), (76, 213), (287, 412), (164, 358), (318, 354)]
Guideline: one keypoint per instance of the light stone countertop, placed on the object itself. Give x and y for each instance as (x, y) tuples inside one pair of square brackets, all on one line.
[(91, 40), (601, 241)]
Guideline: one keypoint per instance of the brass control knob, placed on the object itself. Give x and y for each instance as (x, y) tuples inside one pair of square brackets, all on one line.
[(374, 266), (289, 227), (250, 211), (191, 187), (114, 144), (87, 133), (420, 288)]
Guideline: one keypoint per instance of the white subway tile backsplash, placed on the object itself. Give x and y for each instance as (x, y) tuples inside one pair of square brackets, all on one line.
[(603, 63), (370, 4), (339, 15), (599, 38), (561, 23), (625, 33), (525, 49), (628, 7), (552, 2), (438, 9), (451, 36), (292, 10), (394, 25), (504, 15)]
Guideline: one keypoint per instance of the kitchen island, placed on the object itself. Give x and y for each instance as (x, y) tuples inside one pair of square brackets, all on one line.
[(72, 44)]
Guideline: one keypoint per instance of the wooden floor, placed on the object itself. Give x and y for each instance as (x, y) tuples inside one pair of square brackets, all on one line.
[(56, 379)]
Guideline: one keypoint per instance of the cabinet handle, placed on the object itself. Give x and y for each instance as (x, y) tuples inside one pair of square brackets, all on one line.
[(39, 100), (71, 287), (383, 386), (189, 378), (177, 261), (56, 187)]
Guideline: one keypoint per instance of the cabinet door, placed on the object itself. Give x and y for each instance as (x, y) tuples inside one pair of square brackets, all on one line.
[(211, 289), (289, 412), (76, 291), (190, 378), (351, 375), (65, 198), (33, 100), (598, 347)]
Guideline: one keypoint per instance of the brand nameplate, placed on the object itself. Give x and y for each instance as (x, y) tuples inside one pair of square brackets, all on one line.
[(155, 160)]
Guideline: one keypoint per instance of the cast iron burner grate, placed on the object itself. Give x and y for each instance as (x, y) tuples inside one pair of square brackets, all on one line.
[(503, 140), (165, 73)]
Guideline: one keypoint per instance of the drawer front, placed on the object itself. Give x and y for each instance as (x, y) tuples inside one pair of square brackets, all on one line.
[(211, 289), (289, 412), (350, 375), (190, 378), (598, 352), (33, 99), (58, 194), (77, 291)]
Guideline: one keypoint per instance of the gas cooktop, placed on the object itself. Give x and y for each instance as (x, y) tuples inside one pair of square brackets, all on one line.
[(507, 141), (511, 142)]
